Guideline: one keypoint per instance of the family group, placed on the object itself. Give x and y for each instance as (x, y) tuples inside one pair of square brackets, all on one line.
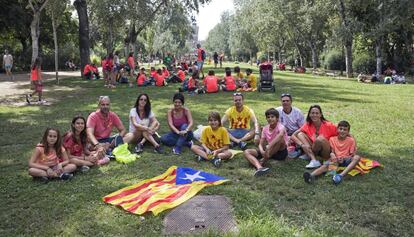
[(287, 134)]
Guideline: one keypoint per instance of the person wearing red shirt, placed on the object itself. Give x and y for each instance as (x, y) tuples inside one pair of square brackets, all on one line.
[(211, 82), (90, 70), (142, 78), (229, 82), (314, 136), (159, 78), (200, 59), (165, 72)]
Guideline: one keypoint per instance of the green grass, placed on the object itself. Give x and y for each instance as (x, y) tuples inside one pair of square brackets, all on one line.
[(380, 203)]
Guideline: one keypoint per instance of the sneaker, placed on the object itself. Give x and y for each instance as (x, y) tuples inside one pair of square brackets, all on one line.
[(159, 150), (176, 150), (40, 102), (337, 179), (308, 178), (313, 164), (199, 159), (139, 148), (304, 157), (262, 171), (216, 162), (111, 157), (103, 161), (66, 176), (28, 96), (243, 145), (84, 168)]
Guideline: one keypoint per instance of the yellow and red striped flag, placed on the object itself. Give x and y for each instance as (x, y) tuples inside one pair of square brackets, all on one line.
[(165, 191)]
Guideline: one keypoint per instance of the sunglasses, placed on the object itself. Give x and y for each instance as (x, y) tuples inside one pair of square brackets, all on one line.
[(237, 94), (285, 94)]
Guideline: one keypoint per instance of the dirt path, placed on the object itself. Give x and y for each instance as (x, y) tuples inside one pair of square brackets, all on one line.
[(20, 83)]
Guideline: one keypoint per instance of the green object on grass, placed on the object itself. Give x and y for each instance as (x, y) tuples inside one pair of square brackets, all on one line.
[(123, 155)]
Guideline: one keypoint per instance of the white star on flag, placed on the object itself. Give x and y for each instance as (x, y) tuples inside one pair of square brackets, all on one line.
[(192, 177)]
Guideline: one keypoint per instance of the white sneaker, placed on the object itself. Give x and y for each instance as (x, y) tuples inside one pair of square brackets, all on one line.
[(313, 164), (304, 157)]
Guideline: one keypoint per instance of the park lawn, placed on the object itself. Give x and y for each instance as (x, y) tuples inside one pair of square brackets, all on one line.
[(380, 203)]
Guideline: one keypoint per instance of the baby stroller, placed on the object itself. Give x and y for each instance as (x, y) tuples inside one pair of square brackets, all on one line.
[(266, 78)]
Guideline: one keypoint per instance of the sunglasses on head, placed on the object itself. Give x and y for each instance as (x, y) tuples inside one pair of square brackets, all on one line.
[(285, 94), (237, 94)]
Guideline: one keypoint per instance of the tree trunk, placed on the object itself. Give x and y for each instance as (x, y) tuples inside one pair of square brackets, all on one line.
[(348, 59), (314, 56), (56, 48), (378, 54), (34, 31), (84, 42), (109, 48)]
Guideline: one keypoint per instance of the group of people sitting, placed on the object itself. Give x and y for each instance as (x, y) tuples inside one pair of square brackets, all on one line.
[(390, 77), (287, 134)]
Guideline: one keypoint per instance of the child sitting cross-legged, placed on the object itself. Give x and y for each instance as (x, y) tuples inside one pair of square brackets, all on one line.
[(343, 153), (215, 142), (273, 144)]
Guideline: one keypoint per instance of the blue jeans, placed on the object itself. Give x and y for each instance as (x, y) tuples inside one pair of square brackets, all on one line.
[(173, 139), (238, 133), (116, 140)]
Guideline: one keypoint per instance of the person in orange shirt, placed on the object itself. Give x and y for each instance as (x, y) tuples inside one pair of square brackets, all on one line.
[(49, 159), (178, 77), (36, 81), (159, 78), (343, 153), (166, 73), (211, 82), (142, 78), (201, 56), (89, 70), (192, 83), (131, 67)]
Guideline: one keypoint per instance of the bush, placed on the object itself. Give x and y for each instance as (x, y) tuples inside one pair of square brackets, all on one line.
[(334, 60), (364, 63)]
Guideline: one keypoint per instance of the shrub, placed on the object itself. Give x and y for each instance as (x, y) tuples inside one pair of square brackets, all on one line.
[(364, 63), (334, 60)]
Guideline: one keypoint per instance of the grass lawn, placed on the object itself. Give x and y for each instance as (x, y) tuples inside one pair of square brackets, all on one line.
[(380, 203)]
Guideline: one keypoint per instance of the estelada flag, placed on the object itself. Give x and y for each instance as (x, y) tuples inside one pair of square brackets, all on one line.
[(165, 191)]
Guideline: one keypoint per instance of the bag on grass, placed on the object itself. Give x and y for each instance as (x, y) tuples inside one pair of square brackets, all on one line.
[(123, 155)]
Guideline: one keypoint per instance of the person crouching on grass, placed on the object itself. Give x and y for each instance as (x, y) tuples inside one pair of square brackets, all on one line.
[(343, 153), (49, 159), (272, 145), (215, 142)]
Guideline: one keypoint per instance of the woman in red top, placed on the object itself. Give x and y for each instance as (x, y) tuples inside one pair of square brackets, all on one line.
[(314, 136), (192, 82), (142, 78), (131, 65), (229, 82), (211, 82), (159, 78)]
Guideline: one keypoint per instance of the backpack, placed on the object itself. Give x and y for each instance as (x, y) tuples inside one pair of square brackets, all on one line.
[(203, 54)]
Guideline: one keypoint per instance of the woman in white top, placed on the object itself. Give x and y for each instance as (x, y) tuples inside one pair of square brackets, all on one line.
[(142, 124)]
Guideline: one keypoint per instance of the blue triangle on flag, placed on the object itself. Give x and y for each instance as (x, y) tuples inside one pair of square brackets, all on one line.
[(187, 175)]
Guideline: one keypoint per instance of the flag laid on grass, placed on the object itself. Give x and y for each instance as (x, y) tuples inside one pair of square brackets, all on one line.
[(165, 191)]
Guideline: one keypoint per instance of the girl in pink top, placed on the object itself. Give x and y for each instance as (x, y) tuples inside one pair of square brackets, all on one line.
[(314, 136), (180, 122), (49, 159), (36, 81), (273, 143)]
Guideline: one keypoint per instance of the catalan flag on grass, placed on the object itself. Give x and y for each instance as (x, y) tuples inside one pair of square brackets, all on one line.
[(165, 191)]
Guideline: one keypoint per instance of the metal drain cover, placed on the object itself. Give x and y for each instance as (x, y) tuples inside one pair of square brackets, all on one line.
[(199, 214)]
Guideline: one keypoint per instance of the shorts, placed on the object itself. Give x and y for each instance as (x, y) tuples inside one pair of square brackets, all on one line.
[(238, 132), (7, 66), (280, 155), (116, 139), (200, 64), (37, 86), (345, 162)]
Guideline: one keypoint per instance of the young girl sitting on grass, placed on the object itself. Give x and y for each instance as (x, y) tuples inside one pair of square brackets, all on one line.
[(215, 142), (49, 159), (77, 146)]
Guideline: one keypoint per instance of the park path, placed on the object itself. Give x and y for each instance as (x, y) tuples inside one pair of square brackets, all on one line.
[(20, 84)]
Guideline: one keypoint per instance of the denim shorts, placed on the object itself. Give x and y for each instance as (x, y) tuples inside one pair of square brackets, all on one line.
[(238, 132), (345, 162)]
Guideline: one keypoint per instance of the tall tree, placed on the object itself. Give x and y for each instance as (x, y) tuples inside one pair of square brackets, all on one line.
[(55, 10), (37, 7), (84, 44)]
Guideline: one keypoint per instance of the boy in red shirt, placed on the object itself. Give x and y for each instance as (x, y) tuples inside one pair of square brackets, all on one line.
[(159, 78), (343, 153), (142, 78)]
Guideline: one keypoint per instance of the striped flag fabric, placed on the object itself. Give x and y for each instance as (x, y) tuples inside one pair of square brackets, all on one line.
[(168, 190)]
